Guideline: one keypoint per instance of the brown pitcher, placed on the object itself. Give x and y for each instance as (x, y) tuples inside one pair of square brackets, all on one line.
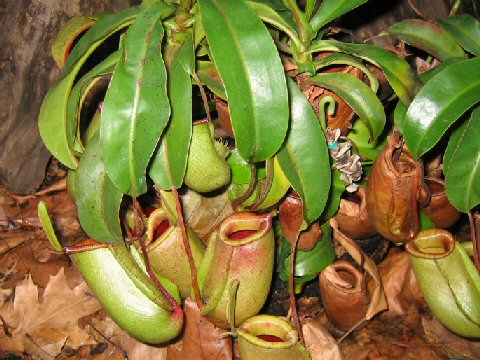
[(392, 192), (352, 217), (439, 209), (343, 289)]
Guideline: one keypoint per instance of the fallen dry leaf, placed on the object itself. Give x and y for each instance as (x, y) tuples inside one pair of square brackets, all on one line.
[(319, 342), (134, 349), (455, 346), (201, 339), (42, 326)]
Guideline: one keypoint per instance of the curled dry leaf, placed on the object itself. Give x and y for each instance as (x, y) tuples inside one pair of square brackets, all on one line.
[(201, 339), (40, 327), (320, 344)]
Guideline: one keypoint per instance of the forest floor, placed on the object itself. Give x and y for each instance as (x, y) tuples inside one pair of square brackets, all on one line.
[(48, 312)]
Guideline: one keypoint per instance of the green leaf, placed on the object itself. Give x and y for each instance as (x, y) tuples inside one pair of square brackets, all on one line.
[(428, 75), (136, 108), (427, 36), (332, 9), (359, 134), (399, 115), (67, 36), (80, 91), (97, 199), (304, 156), (440, 103), (275, 13), (358, 96), (97, 34), (170, 162), (241, 170), (466, 31), (462, 165), (56, 133), (334, 196), (398, 72), (208, 74), (253, 75)]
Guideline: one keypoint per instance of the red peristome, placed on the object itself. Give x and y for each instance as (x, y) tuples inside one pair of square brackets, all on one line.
[(270, 338), (241, 234), (161, 228)]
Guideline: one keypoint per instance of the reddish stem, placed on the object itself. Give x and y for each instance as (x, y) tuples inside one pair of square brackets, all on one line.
[(139, 236), (293, 301), (475, 241), (186, 245)]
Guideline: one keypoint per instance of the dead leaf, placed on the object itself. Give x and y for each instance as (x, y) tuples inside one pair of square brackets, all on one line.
[(41, 327), (399, 283), (201, 339), (135, 349), (319, 342), (455, 346)]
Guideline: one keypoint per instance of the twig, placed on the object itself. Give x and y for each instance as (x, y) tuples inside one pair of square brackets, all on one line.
[(123, 351), (204, 96)]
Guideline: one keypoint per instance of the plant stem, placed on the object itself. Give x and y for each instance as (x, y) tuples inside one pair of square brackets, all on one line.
[(251, 187), (204, 96), (291, 281), (268, 184), (474, 231), (186, 244)]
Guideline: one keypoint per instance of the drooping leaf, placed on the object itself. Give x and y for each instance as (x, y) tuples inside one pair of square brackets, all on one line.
[(334, 196), (465, 29), (440, 103), (56, 133), (398, 72), (170, 162), (241, 170), (80, 91), (359, 134), (275, 13), (97, 199), (304, 156), (332, 9), (97, 34), (253, 75), (208, 74), (68, 34), (462, 165), (136, 108), (358, 95), (399, 115), (427, 36)]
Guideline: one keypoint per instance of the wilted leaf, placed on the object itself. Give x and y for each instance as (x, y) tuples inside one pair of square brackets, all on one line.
[(319, 342), (28, 317)]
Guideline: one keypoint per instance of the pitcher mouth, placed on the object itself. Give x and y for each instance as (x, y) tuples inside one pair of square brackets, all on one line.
[(243, 228), (159, 227), (269, 332), (431, 244)]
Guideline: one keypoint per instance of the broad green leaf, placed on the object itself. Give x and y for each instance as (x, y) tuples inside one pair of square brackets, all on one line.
[(462, 165), (208, 74), (334, 196), (241, 169), (304, 156), (97, 34), (97, 199), (136, 107), (358, 96), (67, 36), (170, 162), (427, 75), (56, 133), (275, 13), (80, 91), (250, 67), (465, 29), (360, 136), (344, 59), (399, 115), (398, 72), (440, 103), (427, 36), (332, 9)]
